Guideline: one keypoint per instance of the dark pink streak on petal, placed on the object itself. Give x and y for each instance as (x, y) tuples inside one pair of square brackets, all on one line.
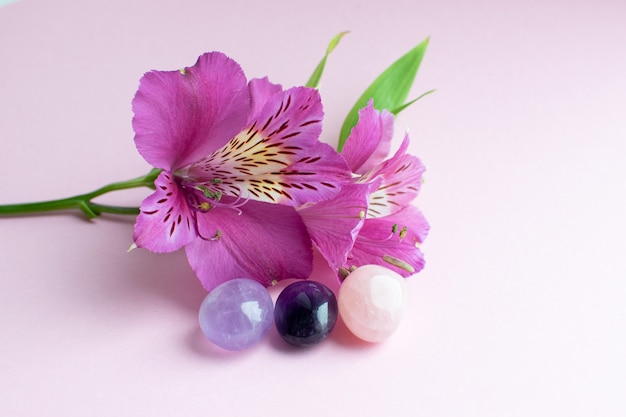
[(165, 222), (308, 170), (278, 158), (401, 180), (181, 116), (370, 140), (266, 242), (261, 91), (316, 176)]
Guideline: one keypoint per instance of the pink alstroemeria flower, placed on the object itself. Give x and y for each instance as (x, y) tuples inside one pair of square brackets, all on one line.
[(390, 229), (236, 158)]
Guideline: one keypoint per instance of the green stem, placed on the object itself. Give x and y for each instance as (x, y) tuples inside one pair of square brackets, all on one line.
[(83, 201)]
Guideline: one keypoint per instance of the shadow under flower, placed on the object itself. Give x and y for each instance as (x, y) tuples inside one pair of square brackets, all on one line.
[(168, 276)]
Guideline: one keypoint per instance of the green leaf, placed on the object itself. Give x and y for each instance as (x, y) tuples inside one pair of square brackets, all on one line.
[(407, 104), (389, 91), (317, 73)]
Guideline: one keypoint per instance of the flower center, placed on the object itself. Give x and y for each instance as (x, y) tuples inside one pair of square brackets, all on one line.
[(206, 196)]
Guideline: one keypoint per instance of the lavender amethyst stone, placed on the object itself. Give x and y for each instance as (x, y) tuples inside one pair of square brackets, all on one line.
[(236, 314), (305, 313)]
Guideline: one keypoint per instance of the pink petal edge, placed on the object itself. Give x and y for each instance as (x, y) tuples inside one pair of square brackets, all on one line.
[(369, 141), (334, 224), (181, 116)]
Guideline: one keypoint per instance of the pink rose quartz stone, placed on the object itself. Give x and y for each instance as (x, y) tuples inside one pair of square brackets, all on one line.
[(372, 301)]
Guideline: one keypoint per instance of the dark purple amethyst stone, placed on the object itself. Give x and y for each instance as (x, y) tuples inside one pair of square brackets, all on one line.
[(305, 313)]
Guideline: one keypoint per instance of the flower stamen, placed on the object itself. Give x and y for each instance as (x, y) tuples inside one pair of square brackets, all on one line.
[(399, 263), (213, 195)]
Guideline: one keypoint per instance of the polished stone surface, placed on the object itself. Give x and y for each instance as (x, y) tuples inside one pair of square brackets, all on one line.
[(305, 313), (371, 301), (236, 314)]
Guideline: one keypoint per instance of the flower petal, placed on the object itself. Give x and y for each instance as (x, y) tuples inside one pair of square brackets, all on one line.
[(278, 158), (265, 242), (165, 222), (261, 91), (181, 116), (401, 181), (334, 224), (370, 140), (392, 242)]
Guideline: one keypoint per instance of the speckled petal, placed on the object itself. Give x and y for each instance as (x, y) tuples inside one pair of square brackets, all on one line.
[(261, 91), (401, 179), (278, 158), (165, 222)]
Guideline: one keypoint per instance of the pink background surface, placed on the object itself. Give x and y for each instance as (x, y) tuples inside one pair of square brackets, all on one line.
[(521, 308)]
